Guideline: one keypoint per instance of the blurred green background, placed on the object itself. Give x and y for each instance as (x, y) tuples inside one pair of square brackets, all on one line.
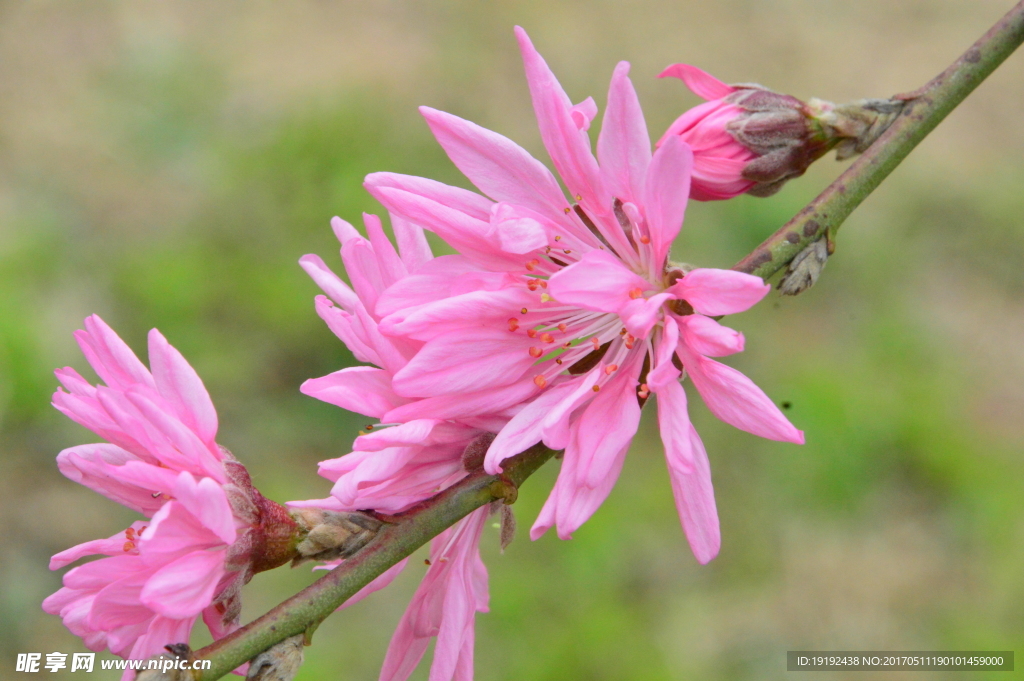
[(166, 164)]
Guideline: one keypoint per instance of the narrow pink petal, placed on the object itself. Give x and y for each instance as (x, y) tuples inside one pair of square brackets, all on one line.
[(463, 361), (695, 501), (412, 243), (448, 315), (516, 232), (497, 166), (702, 84), (606, 427), (716, 292), (117, 604), (349, 329), (179, 384), (337, 290), (464, 201), (185, 586), (433, 280), (379, 582), (363, 269), (664, 371), (73, 381), (207, 501), (568, 146), (162, 631), (624, 147), (99, 467), (463, 405), (364, 390), (402, 435), (707, 337), (666, 191), (176, 445), (639, 316), (674, 424), (111, 546), (598, 281), (391, 266), (734, 398), (110, 356)]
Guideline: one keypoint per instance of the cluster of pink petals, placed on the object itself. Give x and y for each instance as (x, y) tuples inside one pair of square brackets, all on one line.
[(542, 283), (718, 159), (392, 468), (162, 461)]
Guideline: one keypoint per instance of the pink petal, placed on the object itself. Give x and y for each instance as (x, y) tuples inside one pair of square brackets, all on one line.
[(702, 84), (516, 231), (624, 147), (98, 467), (391, 266), (179, 384), (110, 356), (498, 166), (639, 316), (207, 501), (664, 371), (666, 191), (461, 200), (716, 292), (344, 230), (606, 427), (463, 361), (184, 587), (177, 446), (379, 582), (734, 398), (568, 146), (337, 290), (695, 502), (412, 243), (583, 113), (112, 546), (598, 281), (463, 405), (452, 314), (363, 270), (434, 280), (364, 390), (707, 337), (162, 631), (402, 435), (674, 424)]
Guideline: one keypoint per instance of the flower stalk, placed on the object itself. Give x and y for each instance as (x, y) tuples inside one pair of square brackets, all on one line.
[(402, 534)]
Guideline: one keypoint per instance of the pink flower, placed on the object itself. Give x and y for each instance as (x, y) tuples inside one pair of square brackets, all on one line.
[(159, 578), (210, 530), (718, 158), (394, 467), (570, 306), (444, 606)]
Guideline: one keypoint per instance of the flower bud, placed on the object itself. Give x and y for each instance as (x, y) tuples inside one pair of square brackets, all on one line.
[(749, 139)]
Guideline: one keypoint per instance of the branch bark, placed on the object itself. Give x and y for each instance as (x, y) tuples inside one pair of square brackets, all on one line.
[(924, 109)]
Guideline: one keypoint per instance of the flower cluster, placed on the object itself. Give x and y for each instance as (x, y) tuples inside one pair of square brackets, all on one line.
[(555, 322), (207, 527), (557, 319)]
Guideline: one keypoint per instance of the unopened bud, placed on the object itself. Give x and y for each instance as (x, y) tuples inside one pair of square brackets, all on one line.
[(749, 139), (805, 268), (332, 534), (280, 663)]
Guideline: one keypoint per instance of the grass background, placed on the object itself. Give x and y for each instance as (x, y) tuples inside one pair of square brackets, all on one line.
[(166, 164)]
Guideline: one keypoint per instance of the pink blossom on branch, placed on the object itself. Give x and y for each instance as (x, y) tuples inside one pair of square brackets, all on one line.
[(209, 529), (570, 305)]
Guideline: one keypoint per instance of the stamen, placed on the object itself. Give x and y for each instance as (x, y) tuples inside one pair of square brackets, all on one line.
[(597, 344), (558, 238), (567, 210), (562, 327), (513, 323), (369, 427), (128, 546), (636, 293), (611, 369), (536, 352), (523, 311), (547, 338), (630, 340), (579, 198), (532, 265), (545, 298), (129, 534), (540, 381), (426, 561), (596, 388), (622, 331), (558, 361), (644, 239), (566, 251), (567, 344), (532, 333)]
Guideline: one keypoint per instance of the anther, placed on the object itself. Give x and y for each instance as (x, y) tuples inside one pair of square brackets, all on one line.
[(536, 352), (579, 198), (566, 251), (369, 427), (567, 344), (523, 311), (128, 546), (558, 361), (636, 293), (513, 323), (547, 338), (562, 327), (540, 381), (596, 388), (426, 561), (532, 265), (129, 534), (545, 298), (155, 495), (532, 333), (622, 331), (644, 239), (558, 238), (593, 339), (543, 284), (567, 210), (611, 369)]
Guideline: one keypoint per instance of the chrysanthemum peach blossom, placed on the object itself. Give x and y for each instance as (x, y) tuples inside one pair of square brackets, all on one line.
[(209, 529), (571, 305)]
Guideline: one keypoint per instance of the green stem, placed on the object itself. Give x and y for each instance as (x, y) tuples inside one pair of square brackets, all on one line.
[(924, 109), (401, 536)]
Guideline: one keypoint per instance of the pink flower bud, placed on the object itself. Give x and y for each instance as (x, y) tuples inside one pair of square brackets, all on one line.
[(748, 139)]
